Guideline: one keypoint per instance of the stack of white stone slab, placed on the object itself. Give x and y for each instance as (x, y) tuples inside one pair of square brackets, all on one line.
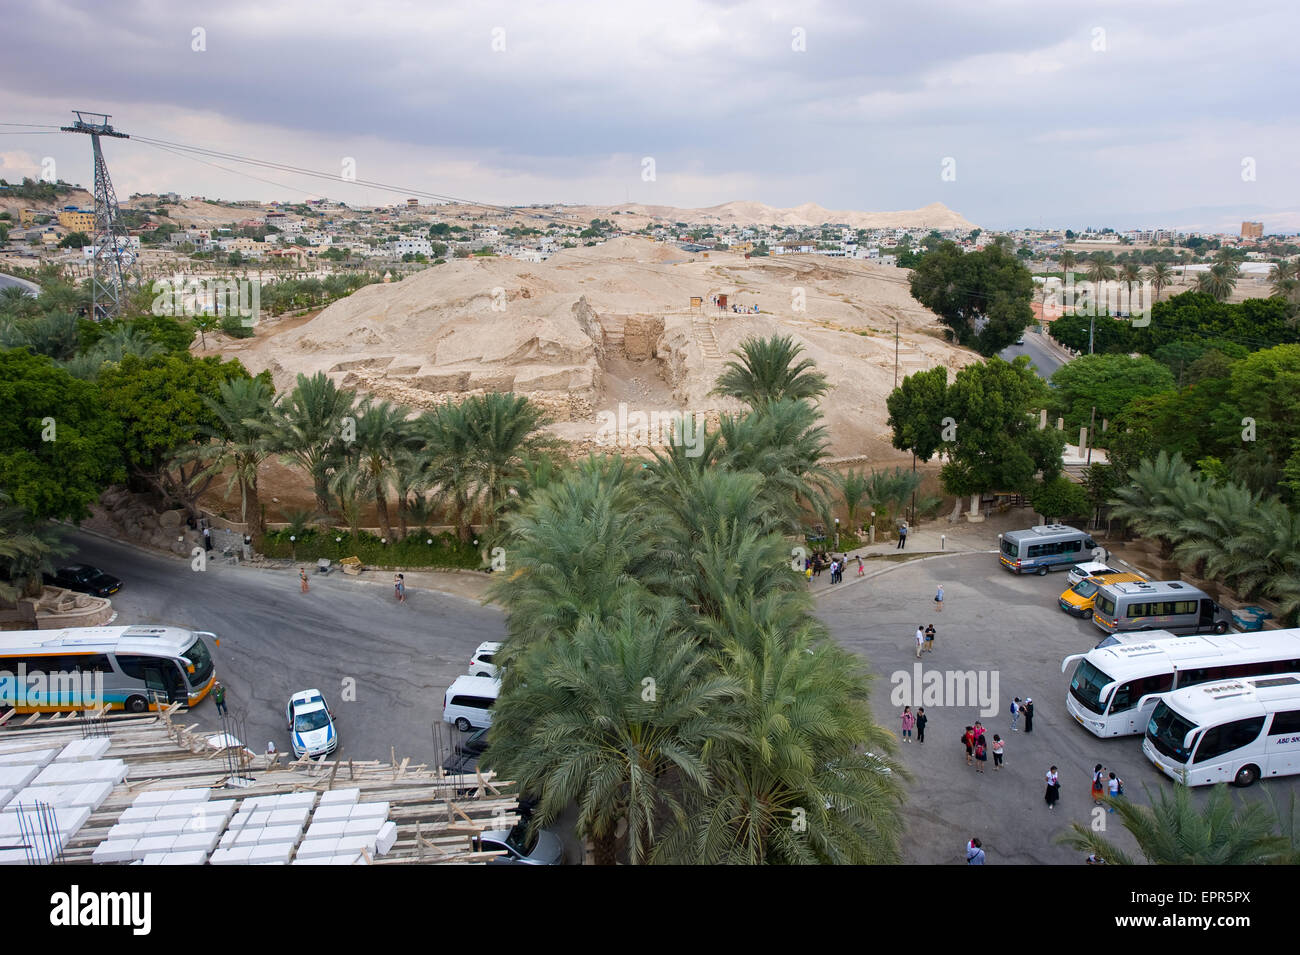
[(73, 781), (167, 827), (265, 830), (16, 828), (341, 827)]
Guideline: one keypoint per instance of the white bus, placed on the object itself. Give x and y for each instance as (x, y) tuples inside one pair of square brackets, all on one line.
[(124, 668), (1230, 732), (1109, 682)]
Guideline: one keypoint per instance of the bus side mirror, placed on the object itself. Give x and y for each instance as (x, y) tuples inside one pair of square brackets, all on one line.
[(1188, 740), (1149, 698), (1106, 691)]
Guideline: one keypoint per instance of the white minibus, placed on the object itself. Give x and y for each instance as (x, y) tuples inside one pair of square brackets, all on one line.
[(468, 702)]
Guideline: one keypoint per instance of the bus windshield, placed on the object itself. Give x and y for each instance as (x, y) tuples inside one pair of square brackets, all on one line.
[(1086, 686), (1166, 730), (201, 657), (1086, 588), (1105, 604)]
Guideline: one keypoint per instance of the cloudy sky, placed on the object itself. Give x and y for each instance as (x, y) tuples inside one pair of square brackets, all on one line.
[(1124, 114)]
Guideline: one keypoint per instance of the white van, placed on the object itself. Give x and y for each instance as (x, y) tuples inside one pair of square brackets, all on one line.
[(468, 702)]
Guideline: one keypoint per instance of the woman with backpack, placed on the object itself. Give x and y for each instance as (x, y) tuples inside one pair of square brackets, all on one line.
[(1116, 786), (981, 754), (1097, 786)]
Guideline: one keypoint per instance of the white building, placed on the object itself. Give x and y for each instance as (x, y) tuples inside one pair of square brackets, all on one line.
[(410, 247)]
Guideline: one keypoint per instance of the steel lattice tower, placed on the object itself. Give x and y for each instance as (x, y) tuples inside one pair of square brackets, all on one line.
[(112, 253)]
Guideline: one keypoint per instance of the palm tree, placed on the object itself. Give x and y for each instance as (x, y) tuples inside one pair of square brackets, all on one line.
[(889, 491), (383, 434), (307, 429), (239, 443), (15, 301), (1284, 278), (1101, 267), (615, 719), (1219, 282), (784, 442), (447, 460), (504, 432), (768, 372), (1068, 261), (27, 549), (1148, 488), (853, 488), (1130, 274), (1173, 830), (1160, 275)]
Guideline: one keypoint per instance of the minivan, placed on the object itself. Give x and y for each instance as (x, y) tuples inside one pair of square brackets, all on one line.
[(1043, 548), (1158, 605), (468, 702)]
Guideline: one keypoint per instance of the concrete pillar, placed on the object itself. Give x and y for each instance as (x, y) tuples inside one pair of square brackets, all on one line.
[(1104, 425), (1060, 424), (974, 516), (1083, 440), (1042, 420)]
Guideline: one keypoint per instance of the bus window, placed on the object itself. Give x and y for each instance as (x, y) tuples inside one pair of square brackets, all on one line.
[(1036, 550), (1073, 547), (1285, 724), (1226, 738), (1105, 604), (1010, 548), (1126, 696)]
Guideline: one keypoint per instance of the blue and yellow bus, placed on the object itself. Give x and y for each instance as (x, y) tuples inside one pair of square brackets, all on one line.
[(123, 668)]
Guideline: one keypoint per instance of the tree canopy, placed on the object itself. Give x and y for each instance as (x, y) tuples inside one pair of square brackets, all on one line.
[(982, 297)]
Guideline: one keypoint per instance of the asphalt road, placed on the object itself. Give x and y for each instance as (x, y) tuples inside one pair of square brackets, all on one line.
[(8, 280), (1045, 361), (276, 640), (1006, 627)]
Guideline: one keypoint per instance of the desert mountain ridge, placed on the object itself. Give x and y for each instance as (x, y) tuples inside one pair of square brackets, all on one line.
[(745, 212)]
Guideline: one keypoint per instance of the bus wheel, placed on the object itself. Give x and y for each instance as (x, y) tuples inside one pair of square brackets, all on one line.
[(137, 704), (1221, 627), (1246, 776), (1042, 571), (462, 724)]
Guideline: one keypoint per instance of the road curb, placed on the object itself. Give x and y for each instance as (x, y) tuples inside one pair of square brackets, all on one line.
[(901, 564)]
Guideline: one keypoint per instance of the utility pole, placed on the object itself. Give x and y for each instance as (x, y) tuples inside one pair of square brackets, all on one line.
[(1092, 323), (108, 287)]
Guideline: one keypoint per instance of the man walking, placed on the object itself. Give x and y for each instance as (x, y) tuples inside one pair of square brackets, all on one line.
[(921, 720), (920, 640), (938, 600), (219, 697), (1015, 714), (902, 536)]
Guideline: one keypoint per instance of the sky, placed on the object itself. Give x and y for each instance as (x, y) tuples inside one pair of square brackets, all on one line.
[(1145, 113)]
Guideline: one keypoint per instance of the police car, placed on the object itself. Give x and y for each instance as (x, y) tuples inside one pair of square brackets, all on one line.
[(311, 724)]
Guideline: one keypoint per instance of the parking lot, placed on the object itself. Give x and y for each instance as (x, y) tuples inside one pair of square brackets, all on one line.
[(1009, 630)]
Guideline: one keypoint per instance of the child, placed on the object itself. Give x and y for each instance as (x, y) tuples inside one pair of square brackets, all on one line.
[(998, 747)]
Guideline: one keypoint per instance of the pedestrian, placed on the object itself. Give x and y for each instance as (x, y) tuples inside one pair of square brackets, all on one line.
[(207, 537), (902, 536), (938, 599), (981, 753), (302, 575), (835, 570), (968, 738), (978, 729), (999, 747), (921, 720), (1053, 788), (248, 547), (974, 852), (1029, 714), (1015, 714), (920, 640), (270, 749), (1098, 787), (1116, 787), (219, 697), (861, 570), (399, 587), (929, 638), (908, 722)]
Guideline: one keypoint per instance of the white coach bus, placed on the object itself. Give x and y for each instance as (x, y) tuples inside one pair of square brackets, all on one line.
[(1109, 683), (123, 668), (1229, 732)]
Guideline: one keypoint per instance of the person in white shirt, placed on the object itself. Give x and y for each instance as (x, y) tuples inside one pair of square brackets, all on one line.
[(920, 640)]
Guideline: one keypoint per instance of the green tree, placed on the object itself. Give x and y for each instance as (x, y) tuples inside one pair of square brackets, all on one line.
[(1060, 498), (505, 432), (1174, 830), (239, 442), (1160, 275), (307, 428), (998, 445), (383, 438), (58, 450), (769, 371), (982, 297), (27, 550), (1105, 382), (917, 408)]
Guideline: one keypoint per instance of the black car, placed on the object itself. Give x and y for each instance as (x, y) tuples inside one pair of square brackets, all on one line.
[(85, 579), (463, 759)]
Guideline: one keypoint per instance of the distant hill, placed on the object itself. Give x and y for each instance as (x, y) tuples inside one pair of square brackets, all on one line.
[(934, 216)]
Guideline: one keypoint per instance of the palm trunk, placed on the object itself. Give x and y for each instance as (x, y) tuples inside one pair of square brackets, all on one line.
[(253, 508), (381, 502), (603, 849)]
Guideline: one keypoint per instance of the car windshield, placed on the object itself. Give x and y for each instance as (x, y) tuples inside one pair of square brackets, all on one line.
[(1167, 730), (1085, 588), (1086, 686), (307, 722), (1010, 548)]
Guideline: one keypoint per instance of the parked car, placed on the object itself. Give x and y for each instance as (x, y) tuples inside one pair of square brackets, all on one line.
[(468, 702), (543, 848), (1092, 568), (311, 724), (85, 579), (481, 663), (464, 756)]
